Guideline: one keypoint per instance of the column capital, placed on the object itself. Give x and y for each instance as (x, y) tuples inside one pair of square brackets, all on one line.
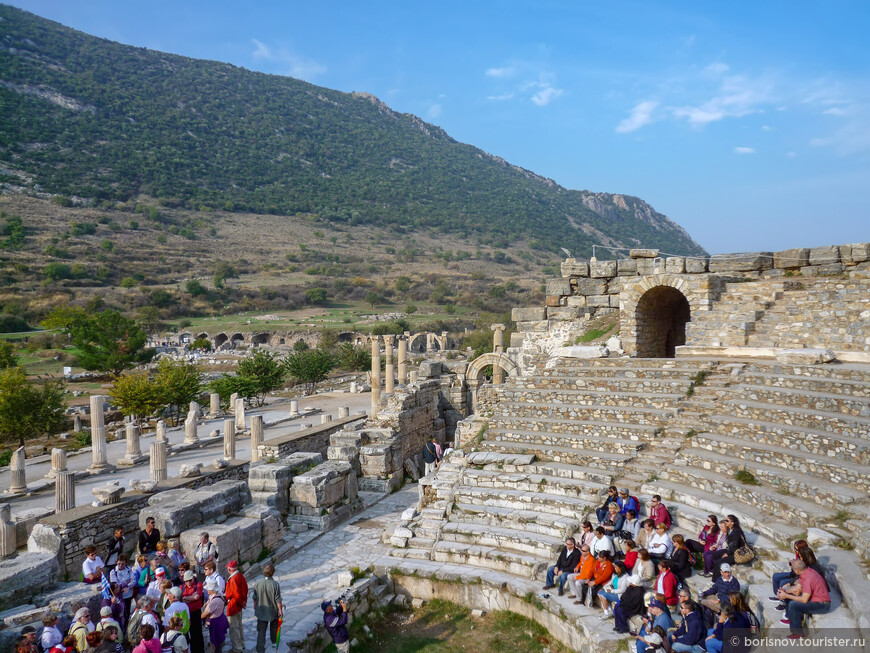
[(497, 327), (388, 339)]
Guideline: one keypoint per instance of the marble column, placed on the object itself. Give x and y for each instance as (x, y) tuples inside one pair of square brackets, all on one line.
[(194, 408), (58, 462), (354, 387), (98, 436), (256, 436), (233, 399), (160, 432), (133, 455), (77, 424), (64, 491), (294, 408), (214, 405), (498, 348), (8, 538), (376, 375), (389, 372), (158, 461), (403, 360), (412, 376), (325, 419), (17, 476), (190, 429), (240, 414), (343, 411), (229, 439)]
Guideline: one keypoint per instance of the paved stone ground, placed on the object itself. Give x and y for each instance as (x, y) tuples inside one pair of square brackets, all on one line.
[(310, 576), (327, 403)]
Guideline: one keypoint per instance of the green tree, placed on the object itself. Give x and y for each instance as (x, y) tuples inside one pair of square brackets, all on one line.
[(265, 370), (195, 288), (149, 318), (7, 355), (353, 357), (300, 345), (201, 344), (136, 395), (316, 295), (310, 367), (232, 383), (403, 284), (29, 409), (180, 382), (109, 342), (12, 232), (65, 318), (373, 298)]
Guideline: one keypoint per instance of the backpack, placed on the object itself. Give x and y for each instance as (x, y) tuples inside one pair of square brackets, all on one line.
[(754, 623), (136, 622), (167, 646)]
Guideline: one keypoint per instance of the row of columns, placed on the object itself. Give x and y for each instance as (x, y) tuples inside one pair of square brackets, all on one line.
[(389, 371)]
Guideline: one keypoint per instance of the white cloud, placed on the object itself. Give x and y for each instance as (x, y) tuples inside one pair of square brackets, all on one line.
[(640, 115), (500, 98), (434, 111), (507, 71), (791, 154), (293, 64), (766, 128), (546, 95), (744, 150), (736, 97), (834, 111)]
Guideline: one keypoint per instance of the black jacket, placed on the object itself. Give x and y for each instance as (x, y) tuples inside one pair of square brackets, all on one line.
[(631, 601), (568, 561), (734, 540), (680, 563), (148, 543), (430, 453)]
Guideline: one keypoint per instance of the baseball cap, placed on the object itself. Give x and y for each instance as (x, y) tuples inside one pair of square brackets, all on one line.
[(725, 567), (176, 592), (160, 571), (232, 564), (188, 575), (655, 603)]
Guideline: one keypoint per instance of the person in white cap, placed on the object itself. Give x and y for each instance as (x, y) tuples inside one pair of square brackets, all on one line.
[(177, 608), (106, 619)]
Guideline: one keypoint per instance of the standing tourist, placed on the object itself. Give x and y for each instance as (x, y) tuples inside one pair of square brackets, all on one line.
[(80, 628), (335, 620), (268, 607), (205, 552), (122, 576), (149, 538), (115, 548), (237, 599), (430, 455), (213, 614)]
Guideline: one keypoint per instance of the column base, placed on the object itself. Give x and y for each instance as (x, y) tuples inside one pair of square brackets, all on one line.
[(129, 461), (101, 468)]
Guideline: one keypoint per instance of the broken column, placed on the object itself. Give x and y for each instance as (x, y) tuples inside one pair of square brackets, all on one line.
[(214, 405), (240, 414), (388, 372), (158, 461), (343, 411), (58, 462), (412, 376), (403, 360), (354, 387), (77, 424), (134, 451), (64, 491), (498, 348), (233, 399), (229, 439), (256, 437), (294, 408), (190, 429), (98, 436), (8, 539), (376, 375), (17, 477), (325, 419)]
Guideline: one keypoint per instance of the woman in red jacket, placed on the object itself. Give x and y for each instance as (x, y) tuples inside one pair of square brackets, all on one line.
[(666, 583)]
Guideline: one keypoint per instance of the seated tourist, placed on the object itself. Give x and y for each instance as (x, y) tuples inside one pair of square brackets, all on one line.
[(627, 502), (602, 543), (787, 579), (734, 539), (630, 604), (583, 573), (630, 558), (684, 594), (614, 588), (603, 572), (631, 527), (92, 567), (706, 537), (689, 636), (715, 596), (645, 569), (658, 616), (681, 559), (612, 497), (568, 559), (814, 598), (666, 583), (586, 536), (743, 612), (728, 628), (645, 534), (658, 513), (614, 520), (661, 545)]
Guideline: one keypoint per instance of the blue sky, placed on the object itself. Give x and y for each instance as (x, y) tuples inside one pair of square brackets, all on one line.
[(745, 122)]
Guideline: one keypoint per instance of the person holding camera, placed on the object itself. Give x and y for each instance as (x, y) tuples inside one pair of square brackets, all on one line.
[(335, 620)]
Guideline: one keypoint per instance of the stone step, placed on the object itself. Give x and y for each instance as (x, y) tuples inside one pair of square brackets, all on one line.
[(598, 383), (623, 363), (559, 413), (751, 518), (783, 480), (428, 528), (843, 373), (545, 439), (763, 498), (563, 470), (830, 402), (525, 566), (492, 457), (570, 455), (591, 398), (555, 526), (598, 428), (542, 502), (504, 539), (788, 459), (834, 423), (530, 482)]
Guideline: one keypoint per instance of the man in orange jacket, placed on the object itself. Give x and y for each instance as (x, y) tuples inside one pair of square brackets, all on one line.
[(237, 599), (583, 572)]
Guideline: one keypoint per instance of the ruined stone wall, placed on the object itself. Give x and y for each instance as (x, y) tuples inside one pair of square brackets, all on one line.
[(314, 439), (413, 414)]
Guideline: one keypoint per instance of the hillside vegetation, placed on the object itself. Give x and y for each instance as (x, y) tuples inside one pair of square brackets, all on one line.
[(102, 124)]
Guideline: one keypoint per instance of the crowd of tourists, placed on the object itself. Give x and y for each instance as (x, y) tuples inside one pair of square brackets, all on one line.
[(635, 571)]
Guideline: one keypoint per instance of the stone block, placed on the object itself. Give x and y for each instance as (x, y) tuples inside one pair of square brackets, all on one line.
[(577, 301), (323, 486), (517, 339), (66, 598), (626, 267), (171, 519), (858, 253), (741, 262), (44, 539), (791, 258), (532, 327), (805, 356), (697, 265), (646, 266), (558, 287), (830, 268), (553, 300), (528, 314), (233, 538), (574, 268), (588, 287), (25, 576), (675, 265), (562, 313), (430, 369), (25, 521), (598, 300), (824, 255), (602, 269), (581, 351), (614, 301), (643, 253)]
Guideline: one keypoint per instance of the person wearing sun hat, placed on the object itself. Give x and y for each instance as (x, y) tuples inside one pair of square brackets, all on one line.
[(237, 599), (630, 604)]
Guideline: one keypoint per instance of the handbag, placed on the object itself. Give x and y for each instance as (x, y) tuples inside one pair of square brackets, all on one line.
[(744, 554)]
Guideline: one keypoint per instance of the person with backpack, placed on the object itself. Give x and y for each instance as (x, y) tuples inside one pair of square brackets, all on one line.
[(148, 642), (176, 609), (205, 552), (51, 635), (173, 640), (214, 613), (143, 615), (268, 607), (430, 455), (81, 627), (111, 643), (627, 502)]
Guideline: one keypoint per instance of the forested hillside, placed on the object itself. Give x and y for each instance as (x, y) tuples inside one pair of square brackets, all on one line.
[(97, 121)]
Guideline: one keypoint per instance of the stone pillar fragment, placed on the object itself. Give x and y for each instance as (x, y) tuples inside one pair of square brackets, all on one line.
[(389, 377), (233, 399), (58, 462), (229, 439), (403, 360), (190, 429), (498, 348), (64, 491), (158, 461), (214, 405), (294, 408), (354, 387), (98, 436), (325, 419), (17, 475), (412, 376), (240, 414), (160, 433), (376, 375), (256, 437), (8, 539), (343, 411), (134, 450), (77, 424)]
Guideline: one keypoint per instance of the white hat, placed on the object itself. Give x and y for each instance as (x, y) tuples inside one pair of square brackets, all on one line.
[(634, 579)]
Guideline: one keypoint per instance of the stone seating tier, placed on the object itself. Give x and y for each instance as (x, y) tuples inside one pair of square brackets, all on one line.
[(840, 403), (833, 424), (592, 442), (575, 398), (846, 387), (604, 384)]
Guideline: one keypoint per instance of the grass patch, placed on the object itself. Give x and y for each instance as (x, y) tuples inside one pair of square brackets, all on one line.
[(594, 334), (697, 381), (691, 433), (746, 477), (478, 439), (843, 543), (841, 517)]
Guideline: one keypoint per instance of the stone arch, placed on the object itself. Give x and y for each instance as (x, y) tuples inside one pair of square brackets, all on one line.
[(201, 336), (236, 339), (436, 344), (220, 340), (654, 313), (417, 343), (474, 373), (344, 336), (260, 338)]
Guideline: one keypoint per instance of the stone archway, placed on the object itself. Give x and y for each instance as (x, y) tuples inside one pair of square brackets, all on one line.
[(237, 339), (474, 373), (220, 339), (260, 338), (662, 314), (417, 343)]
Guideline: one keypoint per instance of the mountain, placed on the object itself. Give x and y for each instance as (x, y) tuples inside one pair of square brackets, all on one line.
[(95, 121)]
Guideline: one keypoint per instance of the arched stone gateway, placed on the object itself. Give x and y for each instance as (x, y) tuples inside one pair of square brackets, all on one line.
[(237, 339), (220, 339), (417, 343), (654, 313), (260, 338), (474, 373), (202, 336)]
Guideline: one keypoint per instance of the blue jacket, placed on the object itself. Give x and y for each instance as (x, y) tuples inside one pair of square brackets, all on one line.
[(628, 504), (722, 588), (691, 631), (336, 625)]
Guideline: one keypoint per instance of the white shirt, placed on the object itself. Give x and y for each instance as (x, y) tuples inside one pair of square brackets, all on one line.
[(91, 566), (602, 543), (124, 579), (661, 544), (173, 609), (222, 584), (154, 590), (149, 619), (51, 636)]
